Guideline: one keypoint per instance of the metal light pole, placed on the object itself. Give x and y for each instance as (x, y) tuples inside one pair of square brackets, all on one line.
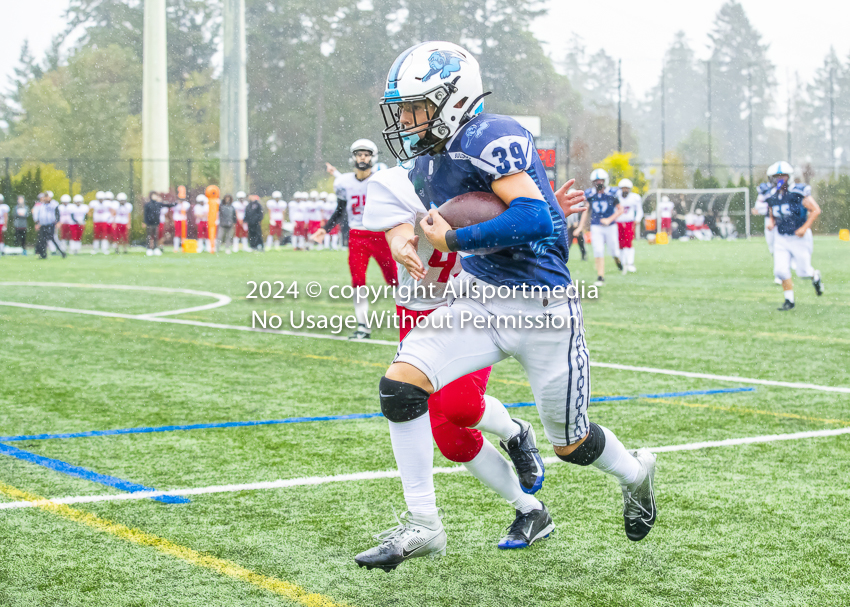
[(663, 124), (155, 155), (620, 105), (750, 118), (234, 99), (708, 116), (832, 109)]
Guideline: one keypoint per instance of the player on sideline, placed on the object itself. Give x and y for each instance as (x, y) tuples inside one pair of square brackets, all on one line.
[(4, 222), (432, 109), (299, 222), (240, 234), (363, 244), (65, 222), (603, 209), (178, 214), (201, 210), (794, 211), (459, 407), (276, 206), (123, 218), (101, 218), (632, 206), (314, 220)]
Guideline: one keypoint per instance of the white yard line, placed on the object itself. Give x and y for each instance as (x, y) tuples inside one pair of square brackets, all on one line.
[(367, 476), (158, 317), (221, 300)]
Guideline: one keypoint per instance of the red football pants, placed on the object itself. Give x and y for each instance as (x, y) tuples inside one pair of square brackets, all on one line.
[(454, 408)]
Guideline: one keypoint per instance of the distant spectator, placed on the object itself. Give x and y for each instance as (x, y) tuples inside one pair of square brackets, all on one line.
[(226, 223), (254, 218), (152, 210)]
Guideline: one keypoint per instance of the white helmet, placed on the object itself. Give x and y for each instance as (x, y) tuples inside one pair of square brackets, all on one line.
[(200, 198), (443, 73), (65, 198), (100, 194), (240, 195), (665, 199), (314, 195), (363, 145), (780, 168), (49, 194), (122, 197), (276, 195), (109, 195), (79, 198), (598, 174), (625, 183)]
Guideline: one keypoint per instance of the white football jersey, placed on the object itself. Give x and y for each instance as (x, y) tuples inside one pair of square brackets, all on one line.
[(79, 213), (632, 206), (392, 202), (296, 211), (353, 191), (122, 213), (201, 211), (275, 208), (666, 207), (240, 206), (328, 208), (64, 213), (4, 213), (315, 211), (178, 213), (101, 213)]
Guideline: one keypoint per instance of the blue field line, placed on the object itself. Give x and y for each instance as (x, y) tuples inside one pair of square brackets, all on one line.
[(88, 475), (327, 418)]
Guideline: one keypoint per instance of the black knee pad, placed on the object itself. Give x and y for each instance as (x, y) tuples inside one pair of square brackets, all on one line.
[(590, 450), (401, 402)]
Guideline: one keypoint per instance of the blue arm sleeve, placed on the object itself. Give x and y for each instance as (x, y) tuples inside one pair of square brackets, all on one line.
[(526, 220)]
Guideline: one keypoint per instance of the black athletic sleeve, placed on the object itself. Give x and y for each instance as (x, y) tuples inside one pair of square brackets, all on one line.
[(337, 216)]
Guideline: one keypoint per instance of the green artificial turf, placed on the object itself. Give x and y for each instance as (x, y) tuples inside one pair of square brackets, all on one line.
[(758, 524)]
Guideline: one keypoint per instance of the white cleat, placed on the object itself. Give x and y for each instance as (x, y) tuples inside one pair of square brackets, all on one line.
[(149, 252), (632, 269), (411, 538), (157, 252)]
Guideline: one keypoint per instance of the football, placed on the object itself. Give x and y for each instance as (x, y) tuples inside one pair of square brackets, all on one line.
[(471, 208)]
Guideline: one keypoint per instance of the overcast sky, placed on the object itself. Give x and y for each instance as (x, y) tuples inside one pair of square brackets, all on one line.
[(637, 32)]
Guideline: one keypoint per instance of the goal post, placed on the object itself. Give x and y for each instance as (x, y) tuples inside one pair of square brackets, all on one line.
[(716, 201)]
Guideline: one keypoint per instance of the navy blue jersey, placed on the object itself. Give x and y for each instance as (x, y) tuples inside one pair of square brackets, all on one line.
[(484, 149), (602, 204), (788, 210)]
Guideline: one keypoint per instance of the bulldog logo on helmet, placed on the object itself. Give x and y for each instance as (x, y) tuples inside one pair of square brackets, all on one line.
[(443, 63)]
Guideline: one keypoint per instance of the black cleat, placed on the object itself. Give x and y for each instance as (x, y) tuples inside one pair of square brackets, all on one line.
[(818, 283), (522, 449), (619, 263), (361, 333), (788, 305), (527, 529), (639, 509)]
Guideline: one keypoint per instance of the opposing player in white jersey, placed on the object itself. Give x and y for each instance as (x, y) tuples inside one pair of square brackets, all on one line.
[(276, 206), (201, 211), (179, 215), (314, 219), (434, 117), (79, 213), (603, 209), (632, 206), (794, 211), (4, 222), (102, 220), (332, 240), (363, 244), (123, 219), (298, 219), (63, 228), (455, 410), (240, 233)]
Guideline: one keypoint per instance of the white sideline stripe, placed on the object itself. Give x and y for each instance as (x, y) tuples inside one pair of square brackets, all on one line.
[(365, 476), (221, 300), (732, 378), (156, 317)]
